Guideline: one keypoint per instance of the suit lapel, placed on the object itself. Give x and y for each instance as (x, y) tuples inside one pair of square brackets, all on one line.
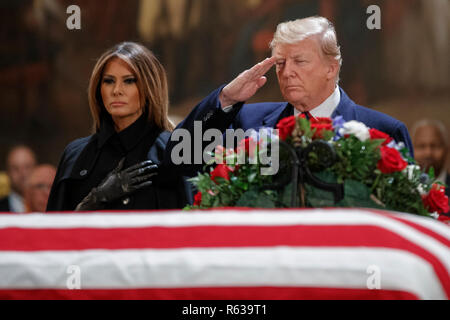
[(345, 107), (271, 119)]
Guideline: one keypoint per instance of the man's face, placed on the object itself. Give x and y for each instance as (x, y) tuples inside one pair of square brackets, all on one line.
[(20, 163), (38, 188), (305, 76), (429, 149)]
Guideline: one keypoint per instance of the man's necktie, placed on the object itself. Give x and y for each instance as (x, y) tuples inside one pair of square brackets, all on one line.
[(308, 115)]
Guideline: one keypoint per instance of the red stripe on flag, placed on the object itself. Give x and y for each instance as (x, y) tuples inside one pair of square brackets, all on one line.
[(418, 227), (228, 293), (17, 239)]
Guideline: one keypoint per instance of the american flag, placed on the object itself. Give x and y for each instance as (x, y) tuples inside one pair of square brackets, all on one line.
[(225, 254)]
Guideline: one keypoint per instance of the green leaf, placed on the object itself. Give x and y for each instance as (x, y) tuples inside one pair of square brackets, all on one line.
[(255, 199), (328, 135), (252, 177), (356, 194)]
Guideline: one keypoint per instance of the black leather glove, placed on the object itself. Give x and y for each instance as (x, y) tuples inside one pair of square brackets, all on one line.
[(118, 184)]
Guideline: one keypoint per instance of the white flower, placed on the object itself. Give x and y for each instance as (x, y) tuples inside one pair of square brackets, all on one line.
[(411, 170), (398, 146), (435, 215), (421, 190), (356, 128)]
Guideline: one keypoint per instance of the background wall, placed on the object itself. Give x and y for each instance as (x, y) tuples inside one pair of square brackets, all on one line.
[(402, 69)]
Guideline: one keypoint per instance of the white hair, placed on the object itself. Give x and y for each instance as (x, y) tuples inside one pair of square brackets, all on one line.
[(291, 32), (432, 123)]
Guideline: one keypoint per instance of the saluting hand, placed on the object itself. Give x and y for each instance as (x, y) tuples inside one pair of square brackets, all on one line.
[(245, 85)]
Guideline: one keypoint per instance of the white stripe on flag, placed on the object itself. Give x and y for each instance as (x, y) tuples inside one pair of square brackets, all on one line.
[(438, 227), (194, 218), (222, 267)]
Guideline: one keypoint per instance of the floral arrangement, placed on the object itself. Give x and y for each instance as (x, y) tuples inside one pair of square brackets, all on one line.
[(375, 171)]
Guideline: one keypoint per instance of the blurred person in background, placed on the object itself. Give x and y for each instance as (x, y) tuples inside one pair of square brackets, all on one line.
[(128, 99), (20, 162), (431, 146), (37, 187), (4, 184)]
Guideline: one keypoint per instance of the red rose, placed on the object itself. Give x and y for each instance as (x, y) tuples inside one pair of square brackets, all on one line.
[(377, 134), (286, 126), (391, 161), (436, 200), (198, 199), (444, 218), (222, 171), (321, 124), (248, 145)]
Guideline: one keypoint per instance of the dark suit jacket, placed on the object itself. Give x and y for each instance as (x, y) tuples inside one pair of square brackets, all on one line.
[(4, 205), (257, 115)]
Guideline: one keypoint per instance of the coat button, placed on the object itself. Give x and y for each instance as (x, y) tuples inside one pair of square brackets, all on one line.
[(83, 173), (126, 201)]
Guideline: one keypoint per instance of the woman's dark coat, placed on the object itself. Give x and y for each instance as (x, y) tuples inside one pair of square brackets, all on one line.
[(79, 159)]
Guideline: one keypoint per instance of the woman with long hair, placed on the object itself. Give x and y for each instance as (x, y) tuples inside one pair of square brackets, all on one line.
[(119, 166)]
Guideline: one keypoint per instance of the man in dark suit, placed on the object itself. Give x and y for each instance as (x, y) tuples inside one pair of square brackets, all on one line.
[(308, 61), (20, 162)]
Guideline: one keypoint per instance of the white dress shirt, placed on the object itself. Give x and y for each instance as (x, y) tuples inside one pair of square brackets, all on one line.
[(326, 108)]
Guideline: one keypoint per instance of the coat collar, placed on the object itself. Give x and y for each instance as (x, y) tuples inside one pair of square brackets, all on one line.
[(128, 137)]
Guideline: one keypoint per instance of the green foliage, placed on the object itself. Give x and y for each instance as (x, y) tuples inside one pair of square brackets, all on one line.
[(258, 199), (244, 183), (357, 159), (356, 168), (356, 194), (399, 193)]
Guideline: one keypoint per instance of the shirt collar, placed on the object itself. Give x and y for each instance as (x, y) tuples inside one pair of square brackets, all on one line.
[(16, 202), (326, 108)]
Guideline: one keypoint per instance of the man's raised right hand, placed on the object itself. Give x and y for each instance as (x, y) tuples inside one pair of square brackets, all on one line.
[(245, 85)]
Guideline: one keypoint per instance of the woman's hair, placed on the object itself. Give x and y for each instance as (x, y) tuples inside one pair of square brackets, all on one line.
[(151, 82), (291, 32)]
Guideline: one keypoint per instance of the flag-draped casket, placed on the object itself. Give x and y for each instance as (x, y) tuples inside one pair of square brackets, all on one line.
[(224, 254)]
